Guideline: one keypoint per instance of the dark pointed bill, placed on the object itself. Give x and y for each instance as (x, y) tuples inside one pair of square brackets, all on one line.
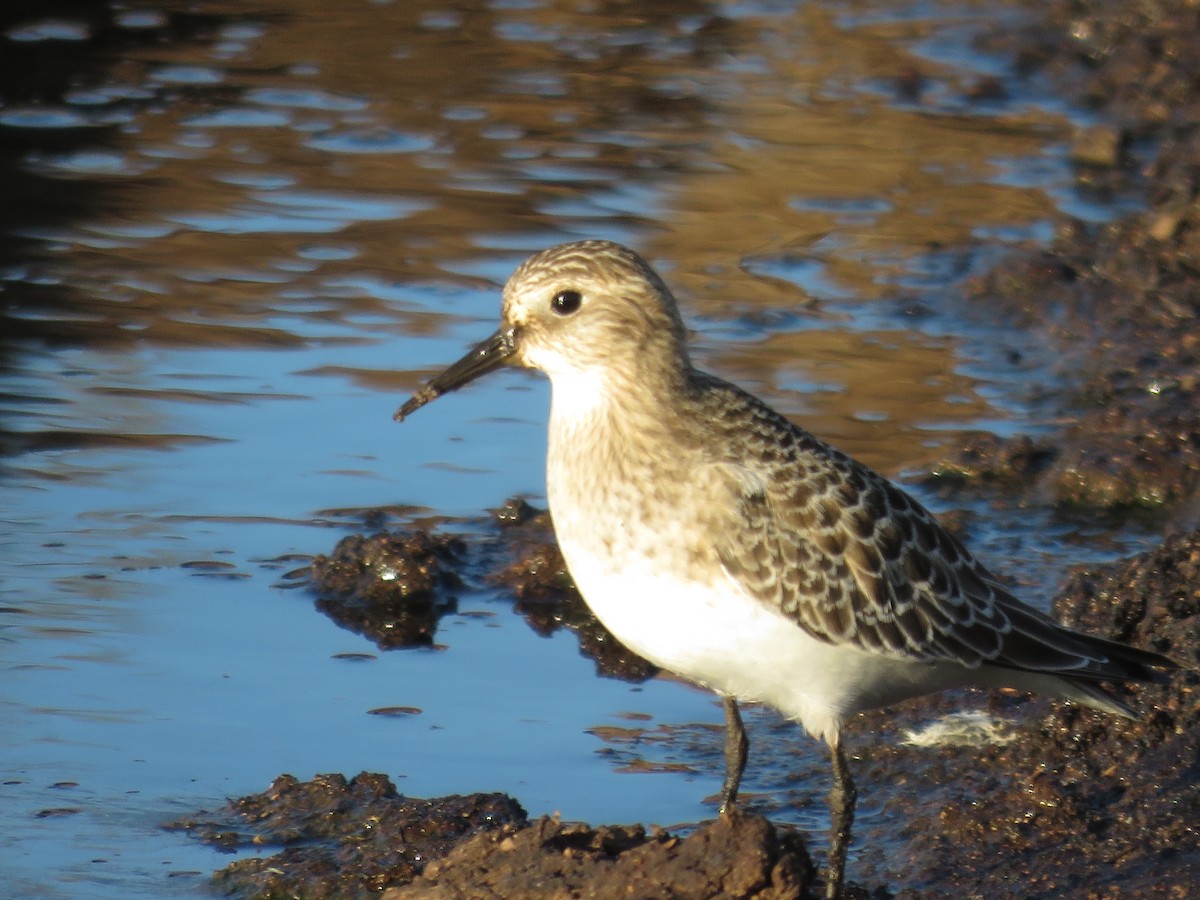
[(483, 358)]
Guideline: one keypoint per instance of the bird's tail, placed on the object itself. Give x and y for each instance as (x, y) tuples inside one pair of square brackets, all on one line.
[(1120, 664), (1053, 658)]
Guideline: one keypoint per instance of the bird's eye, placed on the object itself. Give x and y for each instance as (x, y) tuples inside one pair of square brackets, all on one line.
[(566, 302)]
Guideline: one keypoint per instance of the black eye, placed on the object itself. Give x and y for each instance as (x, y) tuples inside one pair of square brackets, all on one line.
[(566, 302)]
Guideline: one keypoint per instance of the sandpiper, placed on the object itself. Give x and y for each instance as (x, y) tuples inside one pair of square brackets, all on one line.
[(730, 546)]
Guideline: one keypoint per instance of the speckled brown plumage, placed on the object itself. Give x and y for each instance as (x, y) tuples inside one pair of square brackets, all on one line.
[(854, 560)]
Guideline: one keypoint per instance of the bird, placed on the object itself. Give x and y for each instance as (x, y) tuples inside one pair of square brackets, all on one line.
[(726, 544)]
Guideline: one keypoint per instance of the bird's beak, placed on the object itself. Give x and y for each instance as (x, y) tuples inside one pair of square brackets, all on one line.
[(483, 358)]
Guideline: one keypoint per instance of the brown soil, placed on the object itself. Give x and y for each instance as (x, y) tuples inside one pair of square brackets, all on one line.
[(735, 856)]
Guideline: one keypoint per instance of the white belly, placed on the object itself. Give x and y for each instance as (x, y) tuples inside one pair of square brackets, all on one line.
[(718, 636)]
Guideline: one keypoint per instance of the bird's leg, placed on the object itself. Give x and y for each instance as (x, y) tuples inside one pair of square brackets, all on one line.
[(736, 745), (842, 797)]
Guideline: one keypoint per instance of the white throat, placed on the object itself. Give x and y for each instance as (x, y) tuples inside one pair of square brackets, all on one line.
[(577, 394)]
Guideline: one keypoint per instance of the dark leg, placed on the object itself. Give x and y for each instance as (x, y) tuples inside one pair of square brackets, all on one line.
[(842, 797), (736, 745)]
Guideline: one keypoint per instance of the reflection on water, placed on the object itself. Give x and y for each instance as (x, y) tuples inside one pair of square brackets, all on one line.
[(237, 234)]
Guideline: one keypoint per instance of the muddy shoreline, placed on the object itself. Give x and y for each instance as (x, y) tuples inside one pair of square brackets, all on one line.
[(1077, 804)]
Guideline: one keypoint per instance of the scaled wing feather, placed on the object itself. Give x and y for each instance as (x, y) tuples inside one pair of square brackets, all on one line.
[(853, 560)]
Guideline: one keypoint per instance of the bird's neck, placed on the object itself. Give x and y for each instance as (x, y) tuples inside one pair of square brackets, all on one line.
[(606, 441), (607, 403)]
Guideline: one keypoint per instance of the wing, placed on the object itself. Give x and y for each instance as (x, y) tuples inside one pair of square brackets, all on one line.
[(854, 560)]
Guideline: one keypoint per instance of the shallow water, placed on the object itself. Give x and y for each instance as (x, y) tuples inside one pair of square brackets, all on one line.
[(237, 235)]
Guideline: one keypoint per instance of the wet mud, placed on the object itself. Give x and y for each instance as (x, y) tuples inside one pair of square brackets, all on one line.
[(358, 838), (390, 588), (1118, 301), (394, 587), (338, 837), (1074, 803), (737, 856), (1069, 802)]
